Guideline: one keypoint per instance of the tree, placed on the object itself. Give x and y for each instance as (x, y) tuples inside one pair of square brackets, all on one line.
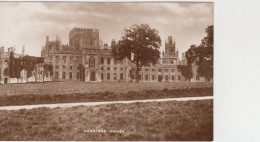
[(46, 68), (140, 44), (203, 54), (18, 68), (29, 63), (186, 71), (11, 65)]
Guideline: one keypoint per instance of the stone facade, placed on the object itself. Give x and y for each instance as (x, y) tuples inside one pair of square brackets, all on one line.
[(37, 75), (87, 59), (4, 65)]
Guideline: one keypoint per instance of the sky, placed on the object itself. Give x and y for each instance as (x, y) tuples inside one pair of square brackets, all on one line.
[(28, 23)]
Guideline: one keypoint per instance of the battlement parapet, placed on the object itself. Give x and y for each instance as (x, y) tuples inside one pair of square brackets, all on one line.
[(84, 30)]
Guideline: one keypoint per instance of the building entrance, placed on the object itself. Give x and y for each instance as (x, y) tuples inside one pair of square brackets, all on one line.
[(92, 76), (5, 80)]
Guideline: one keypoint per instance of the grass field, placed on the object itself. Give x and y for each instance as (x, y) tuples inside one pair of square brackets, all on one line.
[(52, 88), (191, 120), (28, 99)]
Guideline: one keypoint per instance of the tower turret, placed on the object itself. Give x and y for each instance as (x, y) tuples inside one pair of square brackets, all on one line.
[(47, 39), (23, 48)]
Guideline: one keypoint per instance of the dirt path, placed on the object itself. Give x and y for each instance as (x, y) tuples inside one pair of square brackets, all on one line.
[(102, 103)]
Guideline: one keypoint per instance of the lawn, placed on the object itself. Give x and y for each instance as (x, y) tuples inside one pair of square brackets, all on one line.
[(173, 120), (30, 99), (52, 88)]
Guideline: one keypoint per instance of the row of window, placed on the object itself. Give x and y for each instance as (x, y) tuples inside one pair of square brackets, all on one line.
[(108, 76), (146, 77), (108, 68), (64, 59), (121, 69), (159, 77), (108, 61), (115, 68), (160, 70), (115, 76), (64, 75), (63, 67)]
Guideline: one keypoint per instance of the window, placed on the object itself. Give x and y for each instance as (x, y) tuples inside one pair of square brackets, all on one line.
[(160, 70), (166, 77), (64, 59), (108, 68), (140, 77), (121, 76), (173, 70), (56, 67), (102, 76), (78, 59), (63, 74), (171, 62), (57, 59), (102, 60), (152, 77), (56, 74), (108, 61), (152, 69), (115, 68), (77, 75), (91, 62), (71, 67), (121, 69), (146, 69), (179, 77), (116, 61), (102, 68), (70, 75), (166, 70), (63, 67), (115, 76), (172, 77), (146, 77), (108, 76)]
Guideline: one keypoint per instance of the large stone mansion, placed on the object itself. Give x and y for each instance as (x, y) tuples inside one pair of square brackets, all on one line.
[(87, 58)]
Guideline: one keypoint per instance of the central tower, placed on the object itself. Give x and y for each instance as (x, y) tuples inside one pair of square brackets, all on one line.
[(171, 56), (170, 46), (87, 42)]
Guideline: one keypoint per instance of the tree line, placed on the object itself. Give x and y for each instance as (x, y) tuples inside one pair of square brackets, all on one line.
[(201, 55)]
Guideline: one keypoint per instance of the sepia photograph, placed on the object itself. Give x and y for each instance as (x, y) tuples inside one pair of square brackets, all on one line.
[(106, 71)]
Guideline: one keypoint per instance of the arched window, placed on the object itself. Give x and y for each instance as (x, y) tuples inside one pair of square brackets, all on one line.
[(91, 62)]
